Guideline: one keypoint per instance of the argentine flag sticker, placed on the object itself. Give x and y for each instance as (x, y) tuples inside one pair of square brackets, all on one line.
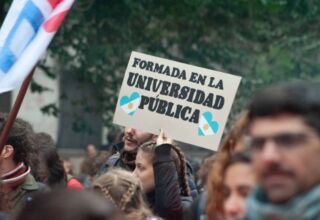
[(207, 125), (130, 104)]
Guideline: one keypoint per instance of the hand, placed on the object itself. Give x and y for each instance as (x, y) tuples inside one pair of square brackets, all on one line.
[(162, 139)]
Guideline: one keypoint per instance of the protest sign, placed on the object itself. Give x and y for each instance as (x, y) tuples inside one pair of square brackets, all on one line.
[(190, 103)]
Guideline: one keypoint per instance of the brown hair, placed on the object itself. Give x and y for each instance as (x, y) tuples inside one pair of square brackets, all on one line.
[(214, 207), (124, 190), (179, 160)]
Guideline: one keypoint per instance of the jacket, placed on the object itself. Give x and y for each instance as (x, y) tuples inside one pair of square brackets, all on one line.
[(166, 200)]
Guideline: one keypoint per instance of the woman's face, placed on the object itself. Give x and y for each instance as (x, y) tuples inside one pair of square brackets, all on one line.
[(239, 180), (144, 171)]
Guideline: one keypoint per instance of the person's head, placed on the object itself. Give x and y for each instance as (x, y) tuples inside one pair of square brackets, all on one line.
[(144, 167), (50, 160), (91, 151), (239, 179), (91, 166), (67, 166), (284, 138), (124, 189), (19, 146), (133, 138), (68, 205), (231, 143)]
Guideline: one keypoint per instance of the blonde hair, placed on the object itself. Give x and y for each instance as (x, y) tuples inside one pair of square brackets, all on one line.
[(214, 207), (179, 160), (124, 190)]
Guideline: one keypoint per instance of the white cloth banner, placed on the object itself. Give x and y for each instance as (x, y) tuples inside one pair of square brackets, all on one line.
[(24, 36)]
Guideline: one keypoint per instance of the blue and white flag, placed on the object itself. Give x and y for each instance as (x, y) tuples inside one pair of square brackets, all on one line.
[(24, 36)]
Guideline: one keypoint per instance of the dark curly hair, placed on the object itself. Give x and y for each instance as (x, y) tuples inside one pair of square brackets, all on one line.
[(20, 138)]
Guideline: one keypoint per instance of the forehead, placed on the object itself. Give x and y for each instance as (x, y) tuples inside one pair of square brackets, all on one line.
[(239, 173), (278, 124), (143, 157)]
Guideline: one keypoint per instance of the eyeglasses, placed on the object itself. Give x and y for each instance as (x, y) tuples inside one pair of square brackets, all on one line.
[(283, 141)]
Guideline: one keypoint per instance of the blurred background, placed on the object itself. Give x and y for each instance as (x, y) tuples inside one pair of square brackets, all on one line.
[(76, 84)]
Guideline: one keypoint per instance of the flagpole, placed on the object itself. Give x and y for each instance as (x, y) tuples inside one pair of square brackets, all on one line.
[(15, 109)]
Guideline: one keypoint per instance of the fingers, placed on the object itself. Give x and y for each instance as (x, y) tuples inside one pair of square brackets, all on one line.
[(163, 139)]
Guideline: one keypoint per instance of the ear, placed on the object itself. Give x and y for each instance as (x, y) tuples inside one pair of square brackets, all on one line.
[(7, 151)]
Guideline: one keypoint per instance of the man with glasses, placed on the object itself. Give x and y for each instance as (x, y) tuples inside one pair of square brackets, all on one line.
[(284, 139)]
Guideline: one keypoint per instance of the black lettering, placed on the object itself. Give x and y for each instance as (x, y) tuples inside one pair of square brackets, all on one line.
[(211, 83), (143, 64), (178, 110), (169, 112), (195, 117), (184, 112), (158, 68), (156, 85), (175, 72), (183, 75), (192, 91), (209, 100), (153, 104), (141, 82), (150, 66), (132, 78), (219, 102), (136, 62), (202, 79), (165, 88), (162, 106), (167, 71), (193, 77), (174, 90), (220, 85), (144, 101), (184, 92), (198, 99), (149, 82)]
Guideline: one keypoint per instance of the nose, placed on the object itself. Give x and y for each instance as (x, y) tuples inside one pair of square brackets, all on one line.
[(135, 172), (129, 130), (270, 152), (234, 207)]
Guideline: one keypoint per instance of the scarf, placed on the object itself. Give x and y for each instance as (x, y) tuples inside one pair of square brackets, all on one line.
[(15, 177), (303, 207)]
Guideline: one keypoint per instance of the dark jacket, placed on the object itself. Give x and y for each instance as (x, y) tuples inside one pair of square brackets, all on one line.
[(25, 192), (166, 200)]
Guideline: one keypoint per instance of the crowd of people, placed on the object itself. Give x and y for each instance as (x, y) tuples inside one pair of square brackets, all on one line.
[(266, 168)]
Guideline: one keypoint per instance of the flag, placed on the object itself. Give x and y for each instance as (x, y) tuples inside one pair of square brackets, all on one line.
[(24, 36), (207, 125)]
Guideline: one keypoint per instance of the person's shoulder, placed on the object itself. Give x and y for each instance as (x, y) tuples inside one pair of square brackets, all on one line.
[(113, 159)]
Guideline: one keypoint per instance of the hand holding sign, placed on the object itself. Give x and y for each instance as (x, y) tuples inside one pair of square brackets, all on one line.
[(162, 139)]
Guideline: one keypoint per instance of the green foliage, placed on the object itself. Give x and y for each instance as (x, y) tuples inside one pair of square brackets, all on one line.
[(263, 41)]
